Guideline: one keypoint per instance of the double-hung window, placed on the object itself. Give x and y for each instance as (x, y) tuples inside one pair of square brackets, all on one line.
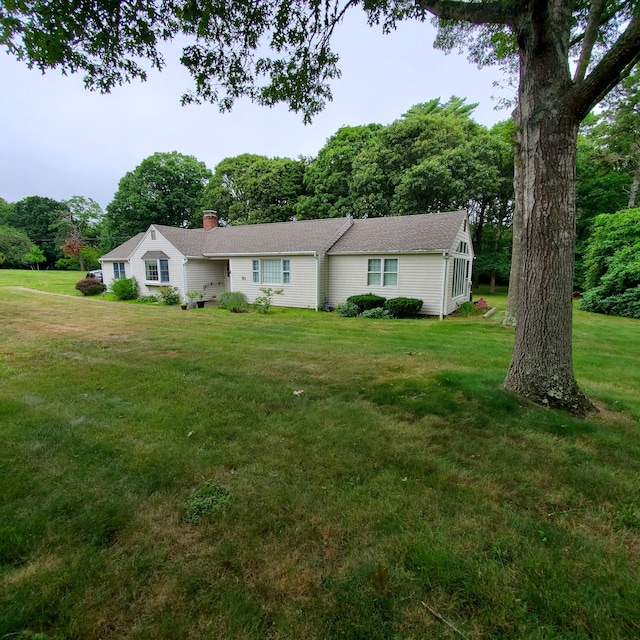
[(156, 270), (118, 270), (382, 272), (271, 271)]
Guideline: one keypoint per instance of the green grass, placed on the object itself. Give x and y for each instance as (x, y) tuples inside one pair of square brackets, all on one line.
[(49, 281), (160, 478)]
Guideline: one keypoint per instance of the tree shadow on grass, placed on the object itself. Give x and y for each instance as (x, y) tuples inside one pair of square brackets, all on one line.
[(477, 400)]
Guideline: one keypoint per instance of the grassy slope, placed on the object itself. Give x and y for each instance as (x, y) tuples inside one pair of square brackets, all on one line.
[(50, 281), (402, 474)]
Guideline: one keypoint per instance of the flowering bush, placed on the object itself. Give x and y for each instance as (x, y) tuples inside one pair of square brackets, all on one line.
[(482, 304)]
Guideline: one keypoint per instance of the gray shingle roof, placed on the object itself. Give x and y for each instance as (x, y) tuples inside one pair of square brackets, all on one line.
[(428, 232), (303, 236), (424, 232), (189, 242), (123, 251)]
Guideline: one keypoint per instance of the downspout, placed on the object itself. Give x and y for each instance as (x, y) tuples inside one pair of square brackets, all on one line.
[(317, 282), (445, 274), (184, 278)]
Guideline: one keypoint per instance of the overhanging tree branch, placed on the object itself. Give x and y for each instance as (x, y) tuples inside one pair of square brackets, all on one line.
[(617, 62), (590, 35), (474, 13)]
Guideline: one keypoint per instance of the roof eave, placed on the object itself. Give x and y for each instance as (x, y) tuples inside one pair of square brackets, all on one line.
[(387, 251), (258, 253)]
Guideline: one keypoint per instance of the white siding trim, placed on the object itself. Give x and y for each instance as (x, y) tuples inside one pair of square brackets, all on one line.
[(445, 270)]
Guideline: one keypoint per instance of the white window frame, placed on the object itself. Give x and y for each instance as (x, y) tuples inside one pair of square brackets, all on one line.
[(278, 271), (157, 264), (119, 271), (381, 274), (460, 277)]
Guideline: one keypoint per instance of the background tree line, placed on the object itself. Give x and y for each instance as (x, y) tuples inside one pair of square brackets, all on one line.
[(435, 157)]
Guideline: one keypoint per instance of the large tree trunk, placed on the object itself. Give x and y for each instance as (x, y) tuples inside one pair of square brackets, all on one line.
[(541, 366), (516, 227)]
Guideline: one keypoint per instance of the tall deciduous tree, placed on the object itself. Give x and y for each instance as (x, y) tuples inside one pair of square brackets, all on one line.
[(328, 177), (620, 131), (229, 59), (14, 245), (249, 188), (5, 211), (37, 217), (165, 188)]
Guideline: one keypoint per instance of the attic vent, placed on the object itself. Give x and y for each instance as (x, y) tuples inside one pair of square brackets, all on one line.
[(153, 234)]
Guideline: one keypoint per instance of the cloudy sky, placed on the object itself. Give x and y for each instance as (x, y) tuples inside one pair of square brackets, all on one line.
[(60, 140)]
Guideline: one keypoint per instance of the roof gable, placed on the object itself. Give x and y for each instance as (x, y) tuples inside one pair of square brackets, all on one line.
[(124, 251)]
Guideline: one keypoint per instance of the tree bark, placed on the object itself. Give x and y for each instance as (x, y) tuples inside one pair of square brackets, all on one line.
[(515, 274), (541, 366)]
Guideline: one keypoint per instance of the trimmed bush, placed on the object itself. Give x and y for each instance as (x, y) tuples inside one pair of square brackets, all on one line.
[(367, 301), (90, 286), (234, 301), (125, 288), (404, 307)]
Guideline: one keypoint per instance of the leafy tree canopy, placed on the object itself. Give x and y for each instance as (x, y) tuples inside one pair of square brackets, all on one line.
[(613, 265), (37, 217), (5, 211), (14, 246), (328, 177), (431, 159), (165, 188), (250, 188)]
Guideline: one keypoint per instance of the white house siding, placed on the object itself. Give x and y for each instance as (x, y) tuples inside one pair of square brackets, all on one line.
[(206, 276), (419, 276), (108, 273), (300, 292), (176, 260), (463, 235)]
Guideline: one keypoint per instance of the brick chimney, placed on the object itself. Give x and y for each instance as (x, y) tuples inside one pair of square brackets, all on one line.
[(209, 220)]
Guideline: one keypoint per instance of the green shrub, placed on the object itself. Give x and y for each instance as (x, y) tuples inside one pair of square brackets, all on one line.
[(169, 295), (348, 309), (263, 303), (234, 301), (367, 301), (612, 265), (626, 304), (125, 288), (404, 307), (377, 312), (469, 309), (90, 286), (147, 299)]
